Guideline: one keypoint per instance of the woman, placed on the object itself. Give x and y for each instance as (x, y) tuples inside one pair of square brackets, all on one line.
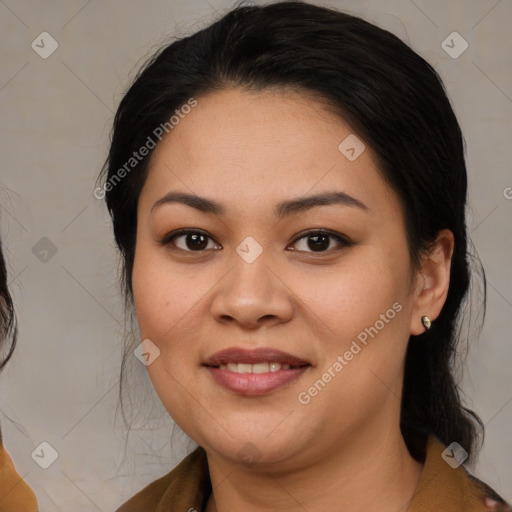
[(15, 494), (288, 190)]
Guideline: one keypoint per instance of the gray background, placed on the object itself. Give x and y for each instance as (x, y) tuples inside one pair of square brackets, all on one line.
[(56, 113)]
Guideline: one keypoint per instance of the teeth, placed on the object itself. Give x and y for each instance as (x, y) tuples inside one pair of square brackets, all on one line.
[(254, 368), (244, 368), (260, 368), (275, 366)]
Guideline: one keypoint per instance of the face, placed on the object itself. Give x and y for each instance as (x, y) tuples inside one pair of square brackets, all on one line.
[(321, 285)]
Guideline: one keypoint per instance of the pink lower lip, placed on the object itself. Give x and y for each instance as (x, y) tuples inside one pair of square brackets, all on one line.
[(255, 383)]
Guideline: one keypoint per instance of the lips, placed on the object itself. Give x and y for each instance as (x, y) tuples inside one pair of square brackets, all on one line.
[(254, 372), (255, 356)]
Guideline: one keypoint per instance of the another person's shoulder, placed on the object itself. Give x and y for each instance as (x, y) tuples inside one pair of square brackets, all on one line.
[(15, 494), (186, 487)]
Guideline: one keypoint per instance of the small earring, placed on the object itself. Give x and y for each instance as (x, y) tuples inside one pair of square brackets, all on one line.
[(425, 320)]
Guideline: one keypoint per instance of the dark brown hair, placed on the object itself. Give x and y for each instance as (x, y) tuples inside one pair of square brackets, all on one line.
[(8, 328)]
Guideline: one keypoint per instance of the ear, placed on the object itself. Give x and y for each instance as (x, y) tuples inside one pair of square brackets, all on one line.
[(432, 281)]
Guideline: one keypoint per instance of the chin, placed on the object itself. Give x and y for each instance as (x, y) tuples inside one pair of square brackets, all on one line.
[(253, 451)]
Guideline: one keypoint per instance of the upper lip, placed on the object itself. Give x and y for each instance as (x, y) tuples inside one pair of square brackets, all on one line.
[(254, 356)]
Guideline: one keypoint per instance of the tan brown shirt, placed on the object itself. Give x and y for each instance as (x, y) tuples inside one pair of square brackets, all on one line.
[(441, 489), (15, 494)]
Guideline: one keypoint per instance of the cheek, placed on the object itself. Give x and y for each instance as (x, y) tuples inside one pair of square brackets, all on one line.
[(170, 312), (160, 295), (165, 313), (146, 295), (363, 313), (356, 295), (361, 354)]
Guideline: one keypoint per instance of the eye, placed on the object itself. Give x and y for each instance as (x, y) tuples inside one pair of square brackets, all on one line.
[(320, 241), (190, 240), (193, 240)]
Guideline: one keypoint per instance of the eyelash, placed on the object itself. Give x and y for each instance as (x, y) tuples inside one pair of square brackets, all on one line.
[(342, 240)]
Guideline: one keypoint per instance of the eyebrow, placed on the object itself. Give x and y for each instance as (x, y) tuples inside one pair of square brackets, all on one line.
[(283, 209)]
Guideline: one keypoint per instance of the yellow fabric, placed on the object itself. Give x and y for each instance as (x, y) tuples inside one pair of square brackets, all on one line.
[(441, 488), (15, 494)]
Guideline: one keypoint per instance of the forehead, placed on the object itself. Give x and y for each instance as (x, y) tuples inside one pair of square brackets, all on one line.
[(242, 146), (236, 124)]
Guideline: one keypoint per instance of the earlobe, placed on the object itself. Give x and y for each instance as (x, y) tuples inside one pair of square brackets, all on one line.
[(434, 283)]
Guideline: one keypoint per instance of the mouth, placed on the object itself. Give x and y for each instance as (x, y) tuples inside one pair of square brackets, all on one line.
[(254, 372), (264, 367)]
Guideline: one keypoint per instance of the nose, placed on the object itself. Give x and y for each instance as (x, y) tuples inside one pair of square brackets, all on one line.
[(252, 295)]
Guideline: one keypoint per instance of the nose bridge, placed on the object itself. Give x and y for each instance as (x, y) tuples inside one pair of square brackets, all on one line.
[(251, 290), (251, 279)]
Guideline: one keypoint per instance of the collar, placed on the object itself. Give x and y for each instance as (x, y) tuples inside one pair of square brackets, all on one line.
[(441, 487)]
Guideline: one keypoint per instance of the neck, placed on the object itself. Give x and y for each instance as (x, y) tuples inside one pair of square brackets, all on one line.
[(356, 475)]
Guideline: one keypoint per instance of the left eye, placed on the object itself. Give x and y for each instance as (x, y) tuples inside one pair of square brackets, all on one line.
[(197, 241), (320, 241)]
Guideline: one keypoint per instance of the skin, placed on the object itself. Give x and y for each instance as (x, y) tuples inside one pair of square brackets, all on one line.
[(250, 151)]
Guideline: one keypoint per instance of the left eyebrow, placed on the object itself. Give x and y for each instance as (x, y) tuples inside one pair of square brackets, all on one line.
[(283, 209), (294, 206)]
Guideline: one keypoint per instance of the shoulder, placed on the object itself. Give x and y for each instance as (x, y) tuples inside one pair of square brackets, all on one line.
[(447, 485), (491, 500), (149, 497), (15, 494), (187, 484)]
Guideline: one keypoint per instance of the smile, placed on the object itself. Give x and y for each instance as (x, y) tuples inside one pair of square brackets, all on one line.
[(254, 368), (254, 372)]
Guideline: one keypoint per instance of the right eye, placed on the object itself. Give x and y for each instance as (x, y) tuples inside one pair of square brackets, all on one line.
[(189, 240)]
